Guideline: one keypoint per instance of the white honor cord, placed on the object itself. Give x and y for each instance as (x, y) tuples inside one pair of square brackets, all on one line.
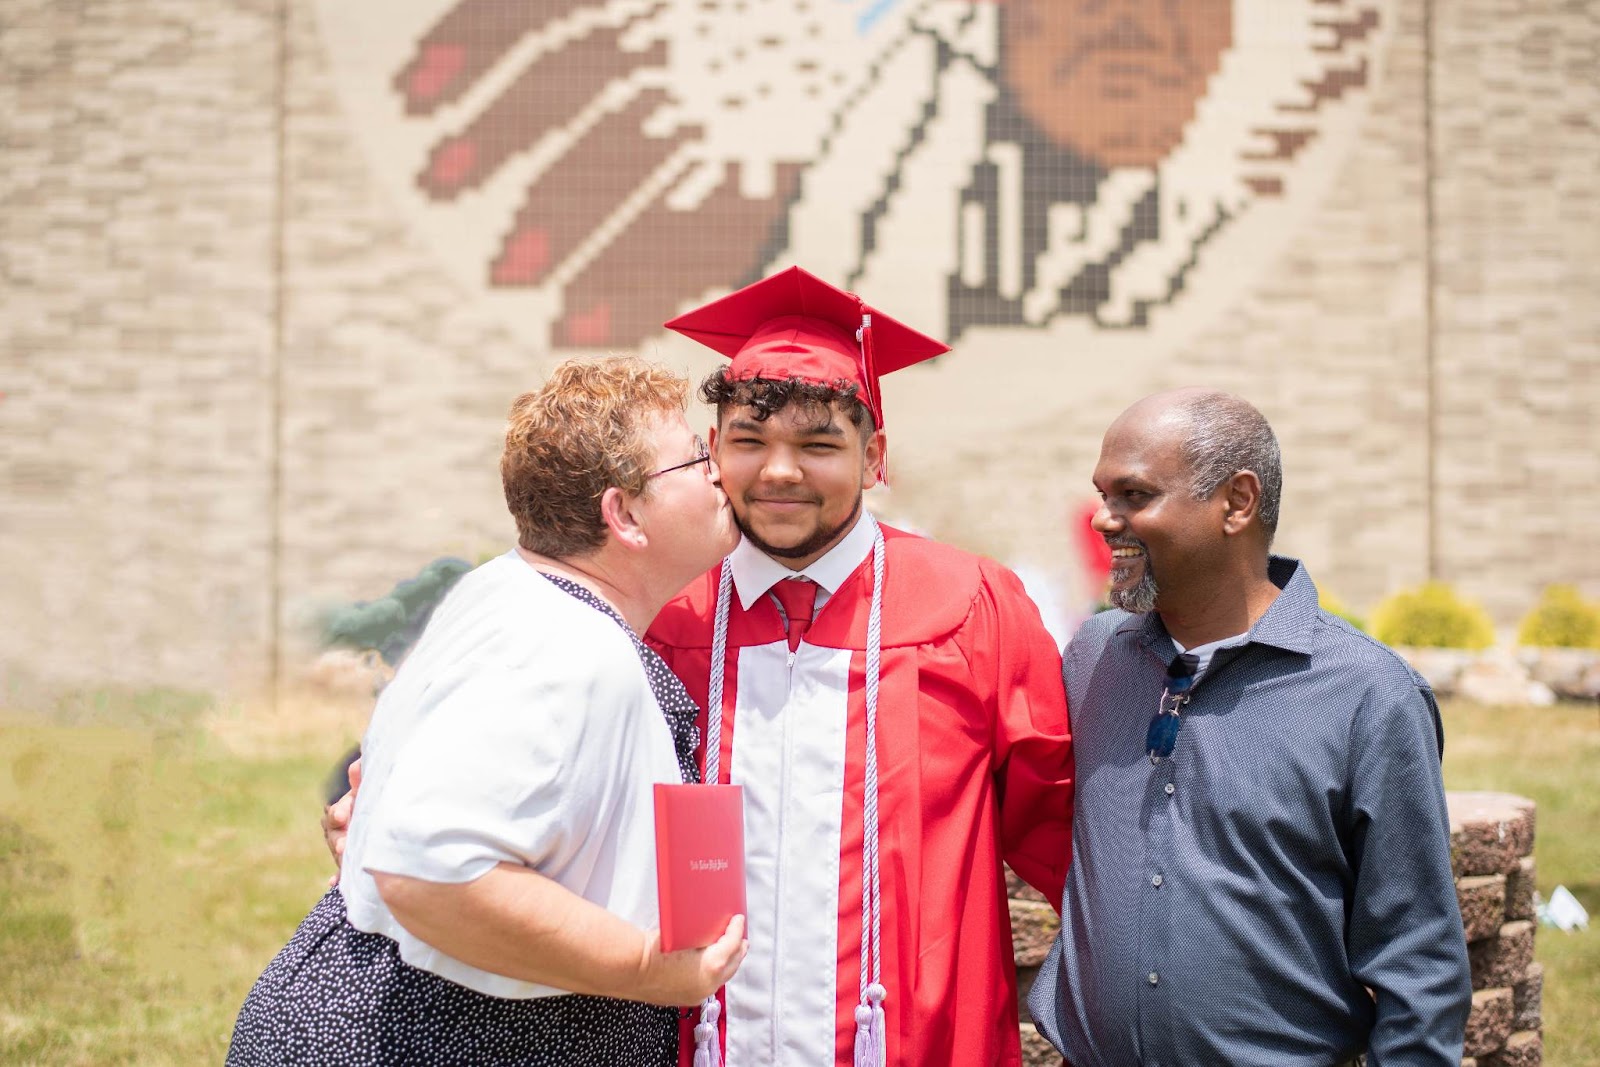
[(872, 991), (707, 1049), (719, 656), (870, 1017)]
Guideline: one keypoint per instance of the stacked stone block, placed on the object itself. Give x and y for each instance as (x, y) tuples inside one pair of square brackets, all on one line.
[(1491, 853), (1033, 927)]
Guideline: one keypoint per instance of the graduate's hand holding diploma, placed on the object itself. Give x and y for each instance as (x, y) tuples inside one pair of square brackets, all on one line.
[(690, 975)]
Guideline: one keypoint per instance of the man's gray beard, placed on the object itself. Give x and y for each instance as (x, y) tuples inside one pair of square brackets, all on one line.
[(1141, 597)]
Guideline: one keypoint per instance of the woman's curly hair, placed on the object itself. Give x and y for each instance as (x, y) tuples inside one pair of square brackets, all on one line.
[(581, 433)]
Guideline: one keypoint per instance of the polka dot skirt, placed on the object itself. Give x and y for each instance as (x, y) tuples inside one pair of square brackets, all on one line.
[(338, 997)]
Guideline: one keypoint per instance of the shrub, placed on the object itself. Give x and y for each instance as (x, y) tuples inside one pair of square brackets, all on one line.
[(1432, 617), (1334, 606), (1561, 619), (392, 624)]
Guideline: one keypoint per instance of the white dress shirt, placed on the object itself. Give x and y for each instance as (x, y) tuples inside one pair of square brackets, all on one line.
[(755, 572)]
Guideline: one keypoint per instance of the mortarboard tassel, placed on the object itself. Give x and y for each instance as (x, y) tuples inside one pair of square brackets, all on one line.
[(869, 382)]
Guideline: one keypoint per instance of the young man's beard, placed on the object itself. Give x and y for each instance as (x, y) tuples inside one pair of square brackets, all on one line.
[(815, 543), (1140, 597)]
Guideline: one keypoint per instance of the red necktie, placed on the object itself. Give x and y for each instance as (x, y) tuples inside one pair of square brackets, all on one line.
[(799, 599)]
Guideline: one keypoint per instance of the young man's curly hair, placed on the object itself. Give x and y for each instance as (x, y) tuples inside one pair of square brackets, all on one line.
[(583, 432), (765, 397)]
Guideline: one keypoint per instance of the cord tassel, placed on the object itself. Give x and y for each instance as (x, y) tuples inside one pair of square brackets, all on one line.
[(872, 1049), (876, 995), (866, 1054), (707, 1045), (707, 1049)]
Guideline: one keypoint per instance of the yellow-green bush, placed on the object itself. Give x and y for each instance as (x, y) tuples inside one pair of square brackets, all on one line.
[(1334, 606), (1433, 616), (1561, 619)]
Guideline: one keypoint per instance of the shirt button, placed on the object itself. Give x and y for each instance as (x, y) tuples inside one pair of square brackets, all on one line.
[(1156, 881), (1155, 979), (1169, 789)]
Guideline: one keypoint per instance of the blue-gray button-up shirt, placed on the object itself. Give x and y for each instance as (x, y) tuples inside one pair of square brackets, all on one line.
[(1235, 903)]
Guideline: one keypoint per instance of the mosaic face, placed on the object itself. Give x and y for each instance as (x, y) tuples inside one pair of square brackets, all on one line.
[(1116, 83), (598, 165)]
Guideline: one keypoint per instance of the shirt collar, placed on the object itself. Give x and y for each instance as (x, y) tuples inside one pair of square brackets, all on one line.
[(755, 572), (1288, 623)]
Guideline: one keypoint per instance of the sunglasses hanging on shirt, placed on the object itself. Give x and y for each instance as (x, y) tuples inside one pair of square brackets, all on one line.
[(1162, 737)]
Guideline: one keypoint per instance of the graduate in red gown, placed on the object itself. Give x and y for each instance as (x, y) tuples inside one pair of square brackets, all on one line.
[(892, 706)]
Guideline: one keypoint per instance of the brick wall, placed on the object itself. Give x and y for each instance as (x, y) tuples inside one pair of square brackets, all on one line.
[(136, 342), (1491, 853), (246, 367)]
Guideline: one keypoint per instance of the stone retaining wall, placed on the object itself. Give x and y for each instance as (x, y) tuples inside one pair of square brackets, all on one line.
[(1491, 853), (1537, 676)]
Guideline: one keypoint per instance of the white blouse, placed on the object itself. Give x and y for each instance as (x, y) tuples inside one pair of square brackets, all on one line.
[(520, 729)]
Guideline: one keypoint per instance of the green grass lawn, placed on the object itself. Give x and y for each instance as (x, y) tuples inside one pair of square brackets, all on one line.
[(1551, 756), (147, 874), (151, 864)]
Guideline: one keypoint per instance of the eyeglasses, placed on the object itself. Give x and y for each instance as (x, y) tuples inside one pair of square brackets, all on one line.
[(1162, 737), (701, 455)]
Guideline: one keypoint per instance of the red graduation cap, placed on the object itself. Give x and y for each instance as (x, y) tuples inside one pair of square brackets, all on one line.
[(795, 325)]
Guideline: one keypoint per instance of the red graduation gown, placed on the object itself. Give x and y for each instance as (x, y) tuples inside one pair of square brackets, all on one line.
[(975, 766)]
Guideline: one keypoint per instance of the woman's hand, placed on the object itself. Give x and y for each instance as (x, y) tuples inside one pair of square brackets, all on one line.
[(336, 821), (689, 975), (517, 922)]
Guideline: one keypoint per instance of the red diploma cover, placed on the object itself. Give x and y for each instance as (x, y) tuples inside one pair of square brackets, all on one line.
[(699, 862)]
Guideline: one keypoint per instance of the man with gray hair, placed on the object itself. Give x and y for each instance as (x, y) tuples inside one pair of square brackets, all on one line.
[(1260, 870)]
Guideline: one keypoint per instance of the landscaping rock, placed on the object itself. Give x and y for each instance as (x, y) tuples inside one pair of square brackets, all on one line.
[(1523, 1049), (1489, 1024), (1571, 673), (1496, 677), (1528, 1000), (1521, 891), (1483, 904), (1502, 962), (1017, 889), (1036, 1051), (1033, 928), (1442, 667), (1489, 832), (1025, 977)]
